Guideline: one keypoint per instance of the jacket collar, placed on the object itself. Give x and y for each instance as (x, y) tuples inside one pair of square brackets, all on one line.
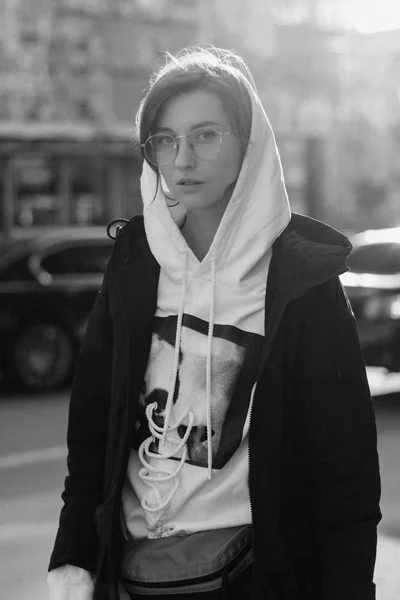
[(308, 253)]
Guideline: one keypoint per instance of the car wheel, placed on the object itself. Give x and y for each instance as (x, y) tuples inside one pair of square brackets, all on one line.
[(42, 356)]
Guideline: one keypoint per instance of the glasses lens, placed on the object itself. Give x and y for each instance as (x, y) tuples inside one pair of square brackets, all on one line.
[(160, 149), (206, 143)]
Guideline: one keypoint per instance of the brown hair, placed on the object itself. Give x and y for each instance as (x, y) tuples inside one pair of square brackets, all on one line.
[(213, 69)]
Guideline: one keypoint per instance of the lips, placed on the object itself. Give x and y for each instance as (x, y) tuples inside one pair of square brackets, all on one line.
[(188, 183)]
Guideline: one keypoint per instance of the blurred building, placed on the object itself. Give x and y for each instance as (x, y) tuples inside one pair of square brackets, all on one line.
[(333, 97), (71, 76), (369, 127), (292, 49), (72, 73)]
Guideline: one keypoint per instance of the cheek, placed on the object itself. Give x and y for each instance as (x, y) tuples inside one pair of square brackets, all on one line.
[(229, 168)]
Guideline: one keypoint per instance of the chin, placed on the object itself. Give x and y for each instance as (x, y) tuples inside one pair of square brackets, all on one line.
[(193, 201)]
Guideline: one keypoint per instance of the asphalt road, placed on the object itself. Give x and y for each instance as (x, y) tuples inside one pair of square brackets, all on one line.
[(32, 469)]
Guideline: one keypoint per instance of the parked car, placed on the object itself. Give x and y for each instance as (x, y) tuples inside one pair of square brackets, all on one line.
[(48, 284), (373, 287)]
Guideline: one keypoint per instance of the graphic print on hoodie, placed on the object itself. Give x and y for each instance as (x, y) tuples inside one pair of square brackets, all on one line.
[(188, 470), (234, 364)]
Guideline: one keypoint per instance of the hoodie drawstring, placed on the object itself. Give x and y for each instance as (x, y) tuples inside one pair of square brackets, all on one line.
[(152, 475), (209, 371), (178, 337)]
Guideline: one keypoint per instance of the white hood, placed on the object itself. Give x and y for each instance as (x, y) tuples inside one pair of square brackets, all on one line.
[(257, 213)]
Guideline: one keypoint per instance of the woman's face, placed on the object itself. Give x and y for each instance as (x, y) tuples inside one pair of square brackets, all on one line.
[(195, 182)]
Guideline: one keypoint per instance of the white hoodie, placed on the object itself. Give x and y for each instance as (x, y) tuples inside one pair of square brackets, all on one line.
[(189, 469), (208, 329)]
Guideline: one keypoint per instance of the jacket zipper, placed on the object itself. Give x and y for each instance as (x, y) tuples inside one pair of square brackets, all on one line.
[(271, 343)]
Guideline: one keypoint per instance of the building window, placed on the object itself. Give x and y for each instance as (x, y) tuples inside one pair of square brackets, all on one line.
[(37, 201), (88, 190)]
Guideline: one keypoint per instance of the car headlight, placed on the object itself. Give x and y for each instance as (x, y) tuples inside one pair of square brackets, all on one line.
[(382, 307)]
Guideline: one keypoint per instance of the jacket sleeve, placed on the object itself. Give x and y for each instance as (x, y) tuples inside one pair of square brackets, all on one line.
[(339, 437), (76, 541)]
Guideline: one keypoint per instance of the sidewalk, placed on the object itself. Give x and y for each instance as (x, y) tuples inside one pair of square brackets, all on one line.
[(387, 570)]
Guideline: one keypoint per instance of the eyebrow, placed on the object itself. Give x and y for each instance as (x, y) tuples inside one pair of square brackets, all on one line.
[(196, 126)]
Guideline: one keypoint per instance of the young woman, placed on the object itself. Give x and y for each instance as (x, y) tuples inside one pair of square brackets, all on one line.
[(221, 435)]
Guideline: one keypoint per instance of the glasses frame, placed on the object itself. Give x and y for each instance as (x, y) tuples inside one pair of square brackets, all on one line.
[(187, 136)]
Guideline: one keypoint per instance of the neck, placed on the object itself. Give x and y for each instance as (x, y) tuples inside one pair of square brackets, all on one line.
[(200, 228)]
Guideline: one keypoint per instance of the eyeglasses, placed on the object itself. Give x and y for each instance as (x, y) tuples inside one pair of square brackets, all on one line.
[(205, 143)]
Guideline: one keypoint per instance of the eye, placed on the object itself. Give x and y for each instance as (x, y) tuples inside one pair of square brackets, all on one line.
[(161, 140), (205, 135)]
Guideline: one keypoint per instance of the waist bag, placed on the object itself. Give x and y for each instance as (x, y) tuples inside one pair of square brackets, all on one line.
[(196, 563)]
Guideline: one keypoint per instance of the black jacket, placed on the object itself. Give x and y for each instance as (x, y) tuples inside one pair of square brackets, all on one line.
[(314, 475)]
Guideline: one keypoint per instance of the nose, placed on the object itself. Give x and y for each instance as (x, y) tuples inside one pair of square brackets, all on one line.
[(184, 157)]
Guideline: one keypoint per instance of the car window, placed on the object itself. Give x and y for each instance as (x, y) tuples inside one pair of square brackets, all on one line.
[(383, 258), (86, 258)]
